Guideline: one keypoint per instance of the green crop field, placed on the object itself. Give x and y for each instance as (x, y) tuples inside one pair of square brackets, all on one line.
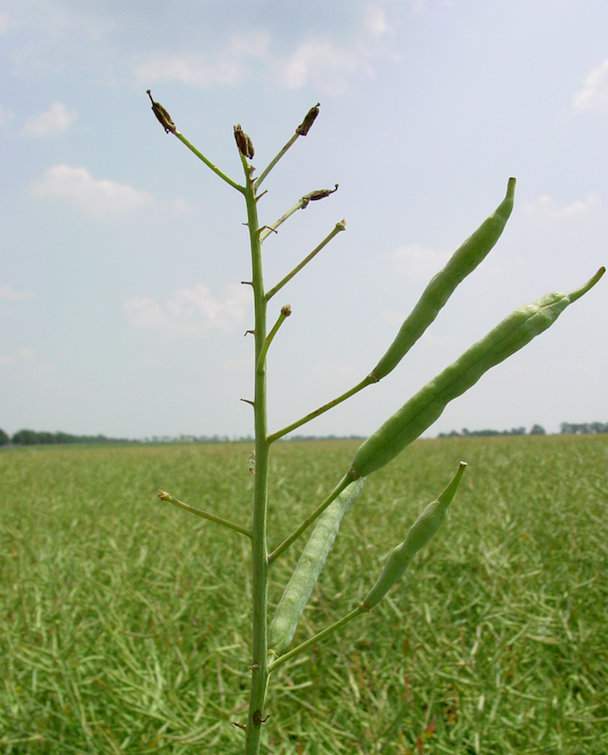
[(125, 621)]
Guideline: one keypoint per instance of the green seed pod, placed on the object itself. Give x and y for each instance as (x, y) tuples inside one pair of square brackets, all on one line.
[(311, 562), (512, 334), (309, 119), (417, 537), (464, 260), (243, 142), (162, 115)]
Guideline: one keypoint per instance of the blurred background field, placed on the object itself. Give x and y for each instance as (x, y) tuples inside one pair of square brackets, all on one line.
[(124, 622)]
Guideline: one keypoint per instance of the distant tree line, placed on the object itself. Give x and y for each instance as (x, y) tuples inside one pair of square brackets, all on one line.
[(566, 428), (34, 438), (583, 428)]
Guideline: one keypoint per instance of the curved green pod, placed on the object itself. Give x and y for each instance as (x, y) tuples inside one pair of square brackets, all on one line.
[(417, 537), (309, 566), (464, 260), (417, 414)]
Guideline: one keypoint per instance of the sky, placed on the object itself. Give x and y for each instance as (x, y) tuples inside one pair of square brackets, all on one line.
[(121, 255)]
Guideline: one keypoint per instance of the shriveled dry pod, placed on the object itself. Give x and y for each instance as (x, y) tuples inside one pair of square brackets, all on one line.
[(309, 119), (162, 115), (311, 562), (417, 537), (464, 260), (314, 196), (243, 142), (419, 413)]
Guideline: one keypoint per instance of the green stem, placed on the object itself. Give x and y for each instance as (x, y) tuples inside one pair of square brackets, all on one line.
[(344, 482), (164, 496), (283, 315), (209, 164), (341, 226), (259, 669), (274, 161), (271, 228), (316, 638), (322, 409)]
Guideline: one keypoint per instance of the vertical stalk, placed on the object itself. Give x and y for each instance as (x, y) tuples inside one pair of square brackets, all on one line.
[(259, 668)]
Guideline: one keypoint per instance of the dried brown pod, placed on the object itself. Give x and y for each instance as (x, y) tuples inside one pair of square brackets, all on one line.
[(314, 196), (162, 115), (309, 119), (243, 142)]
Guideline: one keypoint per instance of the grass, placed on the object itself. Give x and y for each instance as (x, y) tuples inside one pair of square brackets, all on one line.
[(125, 621)]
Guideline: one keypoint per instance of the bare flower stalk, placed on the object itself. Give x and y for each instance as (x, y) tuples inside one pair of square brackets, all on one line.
[(259, 550), (164, 496)]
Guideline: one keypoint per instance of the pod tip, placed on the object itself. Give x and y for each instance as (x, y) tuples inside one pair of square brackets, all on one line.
[(588, 286), (511, 187)]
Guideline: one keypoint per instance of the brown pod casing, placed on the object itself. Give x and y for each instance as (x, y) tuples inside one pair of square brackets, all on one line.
[(162, 115), (243, 142), (309, 119), (314, 196)]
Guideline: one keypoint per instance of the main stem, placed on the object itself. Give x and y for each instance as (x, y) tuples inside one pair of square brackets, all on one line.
[(259, 666)]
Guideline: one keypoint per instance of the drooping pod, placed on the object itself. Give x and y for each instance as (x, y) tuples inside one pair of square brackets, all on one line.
[(419, 413), (309, 566), (162, 115), (417, 537), (464, 260), (314, 196)]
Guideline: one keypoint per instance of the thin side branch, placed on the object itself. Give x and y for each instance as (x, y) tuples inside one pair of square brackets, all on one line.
[(344, 482), (341, 226), (315, 638), (322, 409), (275, 160), (302, 130), (283, 315), (164, 496), (209, 164), (300, 204)]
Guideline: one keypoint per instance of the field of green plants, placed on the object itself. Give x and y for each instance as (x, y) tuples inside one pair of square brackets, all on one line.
[(124, 621)]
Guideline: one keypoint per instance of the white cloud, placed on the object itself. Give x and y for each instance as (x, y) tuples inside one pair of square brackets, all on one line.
[(226, 67), (417, 260), (56, 119), (21, 355), (10, 294), (324, 65), (318, 61), (375, 20), (422, 6), (189, 311), (593, 94), (545, 206), (6, 115), (95, 196)]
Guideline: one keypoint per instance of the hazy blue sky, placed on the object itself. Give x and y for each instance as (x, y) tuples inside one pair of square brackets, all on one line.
[(121, 254)]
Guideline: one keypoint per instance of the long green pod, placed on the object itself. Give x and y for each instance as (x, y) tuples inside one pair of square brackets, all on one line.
[(417, 414), (311, 562), (417, 537), (464, 260)]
